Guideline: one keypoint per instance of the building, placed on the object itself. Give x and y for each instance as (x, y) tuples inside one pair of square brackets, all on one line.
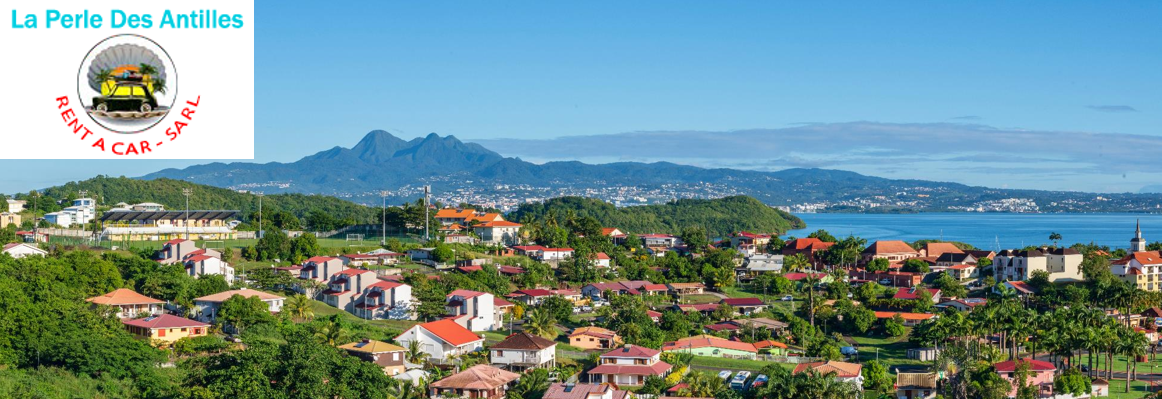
[(385, 299), (16, 206), (745, 306), (202, 265), (936, 249), (465, 216), (128, 304), (916, 386), (615, 235), (346, 288), (601, 259), (9, 218), (1062, 264), (1142, 268), (1137, 244), (477, 382), (631, 287), (473, 310), (911, 293), (709, 345), (753, 240), (498, 232), (207, 307), (321, 268), (80, 213), (660, 240), (20, 250), (522, 351), (179, 249), (807, 247), (1041, 374), (128, 225), (963, 305), (845, 372), (892, 250), (686, 288), (759, 264), (551, 254), (775, 348), (165, 328), (560, 390), (949, 259), (629, 366), (962, 272), (389, 357), (593, 338), (441, 339), (910, 319)]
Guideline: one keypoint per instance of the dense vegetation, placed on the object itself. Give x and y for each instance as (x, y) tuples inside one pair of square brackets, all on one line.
[(719, 217)]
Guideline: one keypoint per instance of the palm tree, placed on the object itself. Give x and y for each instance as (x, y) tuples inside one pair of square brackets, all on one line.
[(1055, 237), (102, 77), (1132, 344), (795, 263), (808, 284), (541, 323), (415, 353), (159, 85), (146, 69), (299, 307), (332, 332), (701, 385), (310, 286)]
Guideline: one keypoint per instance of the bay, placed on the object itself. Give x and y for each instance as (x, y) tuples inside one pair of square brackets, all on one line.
[(986, 230)]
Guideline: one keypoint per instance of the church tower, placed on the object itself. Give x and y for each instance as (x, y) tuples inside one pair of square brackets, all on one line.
[(1138, 244)]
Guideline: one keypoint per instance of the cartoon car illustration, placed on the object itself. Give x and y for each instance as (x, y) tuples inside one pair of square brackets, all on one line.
[(126, 96)]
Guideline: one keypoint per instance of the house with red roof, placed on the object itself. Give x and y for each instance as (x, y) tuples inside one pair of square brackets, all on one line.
[(128, 303), (473, 310), (1041, 374), (912, 293), (441, 339), (807, 247), (745, 306), (385, 299), (910, 319), (346, 286), (202, 265), (892, 250), (751, 240), (320, 268), (1143, 269), (165, 328), (601, 259), (615, 234), (629, 366)]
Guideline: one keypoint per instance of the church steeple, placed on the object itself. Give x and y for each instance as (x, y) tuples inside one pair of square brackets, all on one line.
[(1138, 244)]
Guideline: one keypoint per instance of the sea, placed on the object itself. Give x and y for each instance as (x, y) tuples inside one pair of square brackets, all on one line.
[(991, 231)]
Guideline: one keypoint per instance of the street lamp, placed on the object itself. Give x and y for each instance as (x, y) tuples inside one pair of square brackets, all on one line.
[(187, 192)]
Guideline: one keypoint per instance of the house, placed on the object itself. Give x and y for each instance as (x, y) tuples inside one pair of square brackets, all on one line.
[(465, 216), (357, 260), (823, 278), (418, 254), (498, 232), (1062, 264), (441, 339), (1100, 387), (892, 278), (772, 347), (844, 372), (922, 354), (385, 299), (962, 272), (629, 366), (20, 250), (16, 206), (174, 251), (759, 264), (478, 382), (551, 254), (530, 297), (389, 357), (1041, 374), (892, 250), (753, 240), (593, 338), (807, 247), (206, 307), (522, 351), (615, 235), (131, 225), (910, 319), (776, 327), (459, 239), (9, 218), (80, 213), (203, 265), (745, 306), (128, 304), (560, 390), (709, 345), (1143, 269), (916, 386), (600, 259), (963, 304), (686, 288), (532, 251), (660, 240), (321, 268), (955, 259), (473, 310), (1022, 288), (387, 257), (598, 290), (654, 289), (346, 287), (165, 328), (937, 249), (909, 294), (703, 308)]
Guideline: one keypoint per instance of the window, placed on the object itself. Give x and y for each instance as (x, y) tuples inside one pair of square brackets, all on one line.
[(183, 329), (500, 353), (161, 332), (395, 357)]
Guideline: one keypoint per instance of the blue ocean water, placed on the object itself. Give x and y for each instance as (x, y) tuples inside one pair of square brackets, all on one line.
[(984, 230)]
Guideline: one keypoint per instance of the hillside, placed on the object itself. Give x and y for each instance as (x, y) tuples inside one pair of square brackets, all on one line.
[(720, 217), (459, 171), (168, 192)]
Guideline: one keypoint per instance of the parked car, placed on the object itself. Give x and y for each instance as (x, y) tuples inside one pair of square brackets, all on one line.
[(848, 351), (739, 381), (586, 309), (759, 381), (885, 281), (725, 375), (126, 96), (787, 298)]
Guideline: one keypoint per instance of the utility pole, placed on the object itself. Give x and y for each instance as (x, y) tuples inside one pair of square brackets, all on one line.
[(83, 194), (260, 195), (383, 240), (427, 201), (187, 192)]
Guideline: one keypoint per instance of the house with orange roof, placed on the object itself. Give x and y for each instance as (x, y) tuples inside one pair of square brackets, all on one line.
[(498, 232), (773, 347), (910, 319), (629, 366), (892, 250), (709, 345), (128, 303), (474, 310), (935, 249), (615, 234), (450, 216), (206, 307), (844, 372), (1143, 269), (164, 329), (441, 339), (806, 246), (346, 287), (477, 382), (602, 260), (593, 338)]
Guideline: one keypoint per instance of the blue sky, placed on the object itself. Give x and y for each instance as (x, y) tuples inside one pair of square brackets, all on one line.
[(525, 77)]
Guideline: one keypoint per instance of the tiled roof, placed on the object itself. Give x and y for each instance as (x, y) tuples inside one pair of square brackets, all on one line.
[(841, 369), (498, 223), (319, 259), (198, 258), (478, 377), (632, 351), (498, 301), (889, 247), (722, 326), (910, 293), (708, 341), (769, 344), (593, 331), (1034, 365), (123, 296), (450, 332), (905, 315), (940, 248), (801, 244), (224, 295), (743, 301), (800, 276), (465, 294), (601, 256), (372, 346), (916, 380), (1145, 258), (559, 390), (164, 321), (658, 368), (524, 341), (655, 287), (453, 213), (354, 272)]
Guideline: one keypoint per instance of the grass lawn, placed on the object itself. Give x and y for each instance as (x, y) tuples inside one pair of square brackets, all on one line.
[(699, 298), (1138, 389), (323, 310), (721, 363), (893, 351)]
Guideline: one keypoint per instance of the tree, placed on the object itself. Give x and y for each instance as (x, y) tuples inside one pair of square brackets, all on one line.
[(796, 262), (915, 266), (240, 312), (695, 239), (442, 253), (541, 322), (949, 287), (701, 384), (876, 376), (822, 235), (878, 265), (415, 353), (1055, 237), (559, 307), (861, 318), (532, 385), (304, 246), (868, 291), (333, 332), (776, 244), (894, 326), (1073, 382), (299, 307)]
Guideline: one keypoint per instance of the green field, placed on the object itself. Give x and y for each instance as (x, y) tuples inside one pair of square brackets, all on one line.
[(892, 351), (323, 310), (721, 363)]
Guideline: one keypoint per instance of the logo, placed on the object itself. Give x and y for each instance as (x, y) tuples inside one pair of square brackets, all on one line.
[(127, 83)]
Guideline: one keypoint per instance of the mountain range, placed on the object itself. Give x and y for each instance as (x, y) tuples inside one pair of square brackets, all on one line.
[(381, 161)]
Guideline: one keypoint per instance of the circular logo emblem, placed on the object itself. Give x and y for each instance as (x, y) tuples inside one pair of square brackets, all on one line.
[(127, 83)]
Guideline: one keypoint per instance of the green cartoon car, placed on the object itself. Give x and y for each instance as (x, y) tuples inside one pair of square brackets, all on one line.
[(126, 96)]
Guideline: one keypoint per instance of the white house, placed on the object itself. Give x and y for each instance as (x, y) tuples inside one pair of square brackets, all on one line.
[(201, 265), (601, 260), (80, 213), (207, 307), (441, 339), (320, 268), (498, 232), (473, 310), (629, 365), (386, 299), (16, 206), (556, 254), (346, 288), (523, 350), (18, 250), (1062, 264)]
